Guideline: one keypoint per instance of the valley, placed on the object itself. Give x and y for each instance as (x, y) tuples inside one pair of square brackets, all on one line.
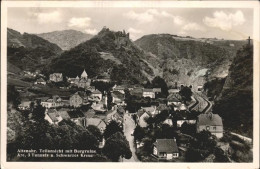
[(157, 97)]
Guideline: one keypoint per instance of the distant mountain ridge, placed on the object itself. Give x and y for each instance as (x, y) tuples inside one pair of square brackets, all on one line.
[(28, 51), (66, 39), (108, 51), (188, 60)]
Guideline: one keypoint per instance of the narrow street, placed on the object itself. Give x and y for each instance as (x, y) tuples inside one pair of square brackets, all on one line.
[(129, 127)]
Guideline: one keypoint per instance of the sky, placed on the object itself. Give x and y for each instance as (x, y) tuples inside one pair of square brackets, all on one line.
[(226, 23)]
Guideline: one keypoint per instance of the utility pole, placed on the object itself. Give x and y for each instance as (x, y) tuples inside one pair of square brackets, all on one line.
[(248, 40)]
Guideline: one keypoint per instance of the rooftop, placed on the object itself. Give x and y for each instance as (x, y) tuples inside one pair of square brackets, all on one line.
[(94, 121), (209, 119), (166, 145), (148, 90), (84, 74), (118, 95)]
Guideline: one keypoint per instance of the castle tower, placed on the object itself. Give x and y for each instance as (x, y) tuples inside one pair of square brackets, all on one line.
[(84, 75)]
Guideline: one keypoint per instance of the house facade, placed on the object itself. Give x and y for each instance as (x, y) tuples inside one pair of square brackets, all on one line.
[(148, 93), (165, 149), (76, 100), (97, 94), (210, 122), (56, 77)]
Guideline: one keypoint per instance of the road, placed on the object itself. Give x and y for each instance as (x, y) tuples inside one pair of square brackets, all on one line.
[(202, 104), (128, 128)]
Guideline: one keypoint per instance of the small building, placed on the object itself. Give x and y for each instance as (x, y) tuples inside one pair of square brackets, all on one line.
[(120, 89), (118, 98), (210, 122), (48, 103), (173, 99), (52, 116), (55, 101), (168, 121), (165, 149), (142, 115), (63, 112), (137, 91), (157, 90), (113, 115), (173, 91), (151, 110), (199, 88), (56, 77), (77, 117), (40, 81), (84, 83), (148, 93), (25, 105), (77, 99), (97, 93), (90, 113), (95, 121), (180, 107)]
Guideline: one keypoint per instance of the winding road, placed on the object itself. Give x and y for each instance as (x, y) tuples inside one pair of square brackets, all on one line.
[(129, 126)]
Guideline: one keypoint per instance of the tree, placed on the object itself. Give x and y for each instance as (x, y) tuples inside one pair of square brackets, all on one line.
[(95, 131), (186, 93), (200, 147), (87, 140), (189, 129), (116, 146), (148, 145), (13, 96), (109, 100), (38, 112), (112, 128), (159, 82), (139, 133)]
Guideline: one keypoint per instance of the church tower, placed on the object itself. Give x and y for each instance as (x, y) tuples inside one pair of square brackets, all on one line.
[(84, 75)]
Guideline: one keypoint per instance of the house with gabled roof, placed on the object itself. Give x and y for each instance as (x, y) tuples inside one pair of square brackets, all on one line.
[(148, 93), (78, 98), (52, 116), (95, 121), (24, 105), (173, 99), (165, 149), (118, 98), (210, 122), (142, 115)]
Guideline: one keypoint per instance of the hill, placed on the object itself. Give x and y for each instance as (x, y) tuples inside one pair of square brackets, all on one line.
[(235, 103), (28, 51), (66, 39), (108, 51), (189, 60)]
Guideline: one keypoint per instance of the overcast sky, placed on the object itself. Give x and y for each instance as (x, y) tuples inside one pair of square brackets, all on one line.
[(224, 23)]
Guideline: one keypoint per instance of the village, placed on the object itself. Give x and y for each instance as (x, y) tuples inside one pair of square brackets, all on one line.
[(166, 124)]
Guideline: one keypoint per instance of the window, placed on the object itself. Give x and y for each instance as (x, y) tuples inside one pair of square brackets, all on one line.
[(214, 128)]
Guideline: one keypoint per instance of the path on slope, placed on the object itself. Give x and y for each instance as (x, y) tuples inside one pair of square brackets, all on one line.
[(128, 129)]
